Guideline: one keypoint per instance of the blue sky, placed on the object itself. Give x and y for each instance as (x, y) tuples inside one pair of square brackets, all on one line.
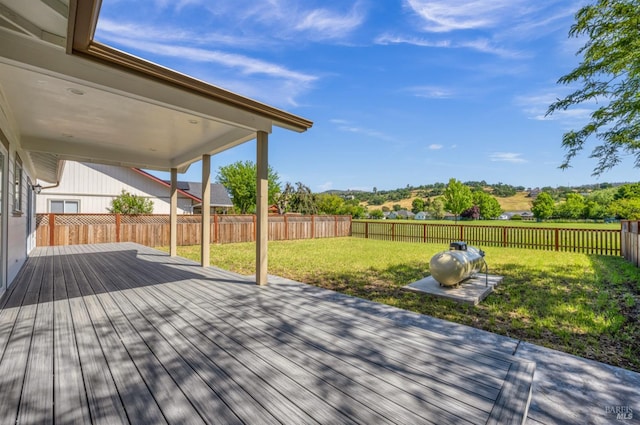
[(400, 91)]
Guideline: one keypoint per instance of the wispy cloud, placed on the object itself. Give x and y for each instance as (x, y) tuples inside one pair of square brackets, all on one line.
[(450, 15), (282, 19), (109, 30), (522, 18), (329, 24), (344, 125), (431, 92), (325, 186), (435, 147), (387, 38), (481, 44), (535, 107), (512, 157), (281, 82), (488, 26)]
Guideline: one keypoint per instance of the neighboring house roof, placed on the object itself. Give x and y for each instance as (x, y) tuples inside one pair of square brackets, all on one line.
[(193, 190), (509, 214), (219, 195), (405, 213)]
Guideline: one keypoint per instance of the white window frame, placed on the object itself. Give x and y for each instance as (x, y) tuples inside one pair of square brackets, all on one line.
[(64, 204), (18, 185)]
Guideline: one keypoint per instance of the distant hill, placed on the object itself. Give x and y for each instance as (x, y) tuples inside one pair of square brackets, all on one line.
[(510, 198), (519, 202)]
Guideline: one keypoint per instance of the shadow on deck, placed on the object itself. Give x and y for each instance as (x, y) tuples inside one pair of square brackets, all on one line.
[(120, 333)]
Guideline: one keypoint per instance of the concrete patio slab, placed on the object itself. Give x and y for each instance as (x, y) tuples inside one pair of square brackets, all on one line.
[(471, 291), (573, 390)]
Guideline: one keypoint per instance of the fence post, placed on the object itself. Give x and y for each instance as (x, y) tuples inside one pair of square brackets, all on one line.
[(557, 237), (393, 232), (216, 229), (461, 232), (254, 228), (118, 222), (424, 232), (313, 226), (335, 226), (504, 236), (286, 228), (52, 229), (366, 230)]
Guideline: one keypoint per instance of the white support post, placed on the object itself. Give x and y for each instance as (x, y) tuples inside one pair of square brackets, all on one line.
[(262, 207), (173, 214), (206, 210)]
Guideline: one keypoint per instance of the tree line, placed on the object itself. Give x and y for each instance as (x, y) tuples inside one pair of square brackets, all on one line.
[(622, 202), (240, 177)]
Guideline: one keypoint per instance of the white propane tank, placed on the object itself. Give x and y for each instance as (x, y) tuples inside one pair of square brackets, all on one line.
[(461, 262)]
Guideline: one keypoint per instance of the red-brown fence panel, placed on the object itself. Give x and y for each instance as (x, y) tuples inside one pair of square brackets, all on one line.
[(154, 229)]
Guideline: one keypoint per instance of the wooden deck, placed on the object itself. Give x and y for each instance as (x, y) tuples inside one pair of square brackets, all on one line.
[(120, 333)]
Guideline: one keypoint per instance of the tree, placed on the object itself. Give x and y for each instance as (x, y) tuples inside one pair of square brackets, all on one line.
[(543, 206), (626, 209), (330, 204), (457, 197), (354, 209), (376, 200), (282, 198), (240, 178), (609, 74), (303, 201), (489, 206), (417, 205), (397, 207), (628, 191), (127, 203), (376, 214), (503, 190), (573, 207), (473, 213), (436, 209), (594, 210)]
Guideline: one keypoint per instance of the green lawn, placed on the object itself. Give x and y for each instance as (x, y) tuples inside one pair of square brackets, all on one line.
[(582, 304)]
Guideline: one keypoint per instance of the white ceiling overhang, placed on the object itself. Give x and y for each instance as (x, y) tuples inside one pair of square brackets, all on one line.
[(70, 106)]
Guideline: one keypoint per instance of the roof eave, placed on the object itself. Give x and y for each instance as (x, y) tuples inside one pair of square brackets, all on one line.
[(82, 24)]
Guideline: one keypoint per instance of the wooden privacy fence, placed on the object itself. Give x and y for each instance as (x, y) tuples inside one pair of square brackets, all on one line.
[(590, 241), (153, 230), (630, 238)]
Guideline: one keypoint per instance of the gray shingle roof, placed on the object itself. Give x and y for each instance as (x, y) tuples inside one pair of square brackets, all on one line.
[(219, 195)]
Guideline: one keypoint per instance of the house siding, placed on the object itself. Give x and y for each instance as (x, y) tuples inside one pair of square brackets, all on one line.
[(17, 240), (95, 185)]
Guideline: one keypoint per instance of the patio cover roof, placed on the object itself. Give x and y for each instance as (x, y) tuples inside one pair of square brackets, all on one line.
[(71, 98)]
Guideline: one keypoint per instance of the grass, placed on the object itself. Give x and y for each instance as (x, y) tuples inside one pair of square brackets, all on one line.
[(581, 304), (518, 202)]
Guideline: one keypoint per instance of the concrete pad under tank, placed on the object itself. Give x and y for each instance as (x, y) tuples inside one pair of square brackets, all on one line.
[(470, 291)]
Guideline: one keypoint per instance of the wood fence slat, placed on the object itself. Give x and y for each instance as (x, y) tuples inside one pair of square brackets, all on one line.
[(153, 230)]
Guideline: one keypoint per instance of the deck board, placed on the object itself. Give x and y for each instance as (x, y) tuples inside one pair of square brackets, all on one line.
[(70, 397), (120, 333)]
